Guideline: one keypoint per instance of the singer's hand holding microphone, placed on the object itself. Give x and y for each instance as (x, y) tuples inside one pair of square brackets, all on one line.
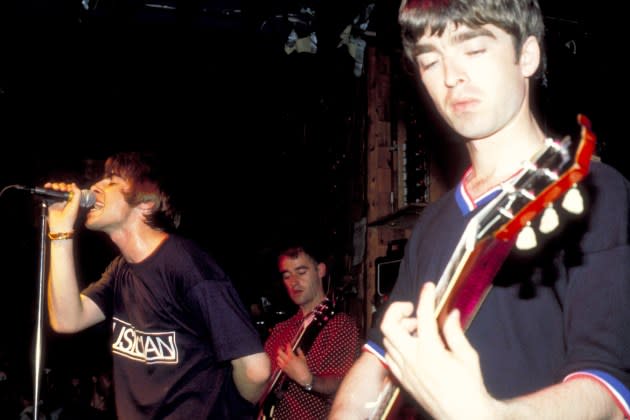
[(60, 191), (62, 215)]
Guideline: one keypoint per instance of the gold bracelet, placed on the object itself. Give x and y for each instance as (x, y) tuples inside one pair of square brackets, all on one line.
[(57, 236)]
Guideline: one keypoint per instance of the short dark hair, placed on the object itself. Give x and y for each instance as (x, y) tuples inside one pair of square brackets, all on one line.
[(146, 176), (519, 18), (314, 248)]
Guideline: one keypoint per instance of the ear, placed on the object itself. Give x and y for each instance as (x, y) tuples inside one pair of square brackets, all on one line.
[(146, 207), (530, 56), (321, 270)]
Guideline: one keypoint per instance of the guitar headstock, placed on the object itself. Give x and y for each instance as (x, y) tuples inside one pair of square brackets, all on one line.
[(320, 316), (551, 173), (323, 312), (504, 222)]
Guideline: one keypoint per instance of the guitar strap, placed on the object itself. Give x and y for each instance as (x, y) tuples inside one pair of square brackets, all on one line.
[(308, 319)]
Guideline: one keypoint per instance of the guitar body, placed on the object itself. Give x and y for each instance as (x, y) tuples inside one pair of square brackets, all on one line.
[(267, 406)]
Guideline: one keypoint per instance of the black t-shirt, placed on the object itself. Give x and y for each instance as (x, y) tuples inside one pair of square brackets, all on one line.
[(559, 309), (177, 322)]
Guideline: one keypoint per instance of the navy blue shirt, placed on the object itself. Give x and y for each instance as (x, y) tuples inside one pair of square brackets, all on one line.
[(177, 322), (559, 310)]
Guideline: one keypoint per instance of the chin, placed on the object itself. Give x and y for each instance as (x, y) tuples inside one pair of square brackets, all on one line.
[(472, 131), (297, 301), (91, 225)]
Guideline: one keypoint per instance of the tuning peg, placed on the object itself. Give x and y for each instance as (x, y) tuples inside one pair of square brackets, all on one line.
[(573, 201), (549, 220), (526, 238)]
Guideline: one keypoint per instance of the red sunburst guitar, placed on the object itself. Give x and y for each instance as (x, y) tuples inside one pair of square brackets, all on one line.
[(491, 234)]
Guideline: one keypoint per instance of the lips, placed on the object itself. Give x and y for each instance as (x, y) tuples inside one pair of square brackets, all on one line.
[(97, 205), (463, 104)]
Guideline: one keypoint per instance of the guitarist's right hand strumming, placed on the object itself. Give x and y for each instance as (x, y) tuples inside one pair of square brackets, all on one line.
[(450, 364)]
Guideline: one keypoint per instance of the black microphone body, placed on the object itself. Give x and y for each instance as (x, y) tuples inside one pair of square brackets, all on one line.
[(87, 197)]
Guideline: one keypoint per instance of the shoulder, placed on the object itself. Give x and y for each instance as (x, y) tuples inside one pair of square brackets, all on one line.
[(280, 328), (191, 256), (445, 202), (182, 245), (343, 319), (444, 206), (287, 323), (439, 218), (116, 265), (342, 326), (607, 207), (607, 179), (607, 189)]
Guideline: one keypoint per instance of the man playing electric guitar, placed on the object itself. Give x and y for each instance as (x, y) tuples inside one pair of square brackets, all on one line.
[(550, 340), (307, 378)]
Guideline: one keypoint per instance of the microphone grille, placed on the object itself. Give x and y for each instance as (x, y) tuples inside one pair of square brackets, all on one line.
[(88, 198)]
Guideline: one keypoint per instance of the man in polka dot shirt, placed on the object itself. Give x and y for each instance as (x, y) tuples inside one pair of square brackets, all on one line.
[(312, 378)]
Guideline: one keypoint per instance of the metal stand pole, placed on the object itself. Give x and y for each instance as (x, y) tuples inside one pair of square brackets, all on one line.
[(40, 308)]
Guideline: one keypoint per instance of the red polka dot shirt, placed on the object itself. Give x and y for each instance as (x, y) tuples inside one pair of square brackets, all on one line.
[(332, 354)]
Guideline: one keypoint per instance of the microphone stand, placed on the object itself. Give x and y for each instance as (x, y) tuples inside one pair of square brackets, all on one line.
[(40, 308)]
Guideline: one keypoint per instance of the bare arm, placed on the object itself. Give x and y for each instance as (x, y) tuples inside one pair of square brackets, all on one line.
[(574, 399), (250, 375), (69, 311), (325, 385), (359, 389)]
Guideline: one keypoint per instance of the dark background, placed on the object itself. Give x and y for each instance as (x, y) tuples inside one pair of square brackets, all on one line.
[(260, 141)]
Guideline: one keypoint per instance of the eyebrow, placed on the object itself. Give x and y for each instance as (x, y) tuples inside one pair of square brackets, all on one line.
[(456, 39), (111, 174), (303, 266)]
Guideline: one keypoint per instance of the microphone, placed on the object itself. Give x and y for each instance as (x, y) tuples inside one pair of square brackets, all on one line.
[(88, 198)]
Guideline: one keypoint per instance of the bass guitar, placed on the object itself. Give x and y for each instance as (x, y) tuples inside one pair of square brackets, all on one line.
[(491, 234), (303, 339)]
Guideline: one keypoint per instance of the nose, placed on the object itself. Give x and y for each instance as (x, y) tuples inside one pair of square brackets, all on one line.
[(290, 280), (454, 72)]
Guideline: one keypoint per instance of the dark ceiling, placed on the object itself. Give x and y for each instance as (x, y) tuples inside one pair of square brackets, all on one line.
[(211, 83), (106, 74)]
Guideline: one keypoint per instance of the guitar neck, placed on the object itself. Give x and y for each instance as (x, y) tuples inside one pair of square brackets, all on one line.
[(468, 289)]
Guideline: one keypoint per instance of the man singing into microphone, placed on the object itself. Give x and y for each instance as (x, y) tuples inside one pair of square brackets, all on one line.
[(183, 345)]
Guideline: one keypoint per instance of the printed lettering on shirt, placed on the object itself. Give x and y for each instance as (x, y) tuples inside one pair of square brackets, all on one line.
[(149, 348)]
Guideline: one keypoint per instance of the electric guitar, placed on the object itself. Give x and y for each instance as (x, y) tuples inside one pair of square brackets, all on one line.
[(304, 338), (491, 234)]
